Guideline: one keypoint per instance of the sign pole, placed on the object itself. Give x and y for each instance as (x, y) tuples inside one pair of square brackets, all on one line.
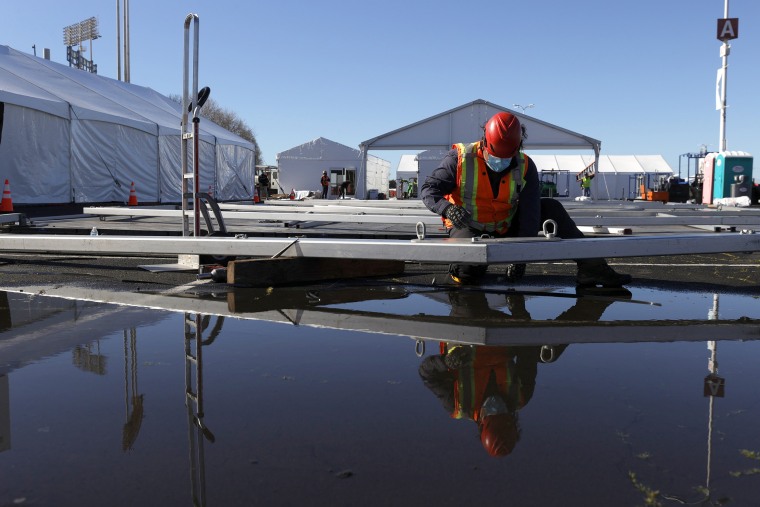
[(724, 51)]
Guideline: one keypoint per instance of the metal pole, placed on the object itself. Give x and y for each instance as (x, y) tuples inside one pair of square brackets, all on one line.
[(190, 104), (126, 41), (725, 49), (118, 41)]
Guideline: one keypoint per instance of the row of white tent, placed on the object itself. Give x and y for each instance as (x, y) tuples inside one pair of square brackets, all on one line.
[(70, 136), (617, 176)]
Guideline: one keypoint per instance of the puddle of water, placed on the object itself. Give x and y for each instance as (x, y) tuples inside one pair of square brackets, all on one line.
[(94, 407)]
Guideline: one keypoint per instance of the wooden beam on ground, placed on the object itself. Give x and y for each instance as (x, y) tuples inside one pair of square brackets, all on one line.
[(299, 270)]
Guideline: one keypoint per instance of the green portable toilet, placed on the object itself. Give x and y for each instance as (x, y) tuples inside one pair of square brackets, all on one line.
[(733, 174)]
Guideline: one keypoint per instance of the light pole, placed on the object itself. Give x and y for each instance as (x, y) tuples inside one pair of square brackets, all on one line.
[(523, 108)]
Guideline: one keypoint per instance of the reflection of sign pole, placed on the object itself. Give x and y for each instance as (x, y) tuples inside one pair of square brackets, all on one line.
[(728, 28), (714, 386)]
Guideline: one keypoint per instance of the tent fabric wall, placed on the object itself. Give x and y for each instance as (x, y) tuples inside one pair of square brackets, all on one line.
[(34, 155), (92, 136)]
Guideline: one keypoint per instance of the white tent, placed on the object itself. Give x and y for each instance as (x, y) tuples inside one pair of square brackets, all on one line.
[(465, 124), (70, 136), (616, 177), (301, 168)]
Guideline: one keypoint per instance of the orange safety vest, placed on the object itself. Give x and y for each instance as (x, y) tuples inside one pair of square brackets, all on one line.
[(471, 381), (475, 194)]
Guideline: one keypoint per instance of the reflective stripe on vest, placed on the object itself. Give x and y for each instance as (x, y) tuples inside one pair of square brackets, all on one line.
[(489, 214)]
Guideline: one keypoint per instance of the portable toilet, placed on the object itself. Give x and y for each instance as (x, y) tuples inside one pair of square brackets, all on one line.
[(732, 174)]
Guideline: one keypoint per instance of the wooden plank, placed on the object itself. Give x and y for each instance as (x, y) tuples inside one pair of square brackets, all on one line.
[(299, 270)]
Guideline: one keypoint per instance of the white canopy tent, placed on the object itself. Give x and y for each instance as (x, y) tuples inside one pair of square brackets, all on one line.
[(616, 175), (465, 124), (301, 168), (71, 136)]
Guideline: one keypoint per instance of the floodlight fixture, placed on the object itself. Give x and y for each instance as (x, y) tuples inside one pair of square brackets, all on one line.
[(77, 33)]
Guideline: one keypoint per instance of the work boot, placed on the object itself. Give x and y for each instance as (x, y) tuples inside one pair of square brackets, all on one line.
[(598, 272)]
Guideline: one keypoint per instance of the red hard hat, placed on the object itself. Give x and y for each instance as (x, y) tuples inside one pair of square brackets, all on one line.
[(499, 434), (503, 135)]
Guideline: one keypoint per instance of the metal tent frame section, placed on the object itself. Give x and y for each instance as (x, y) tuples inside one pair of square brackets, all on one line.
[(465, 124), (434, 251), (370, 212)]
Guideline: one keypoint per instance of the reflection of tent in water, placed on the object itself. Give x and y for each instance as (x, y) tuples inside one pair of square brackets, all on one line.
[(85, 360), (134, 415)]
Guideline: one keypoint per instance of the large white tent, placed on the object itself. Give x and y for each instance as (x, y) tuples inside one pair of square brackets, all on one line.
[(301, 168), (465, 124), (68, 136)]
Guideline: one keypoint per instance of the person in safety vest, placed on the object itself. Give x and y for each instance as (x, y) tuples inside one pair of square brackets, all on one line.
[(586, 186), (491, 187)]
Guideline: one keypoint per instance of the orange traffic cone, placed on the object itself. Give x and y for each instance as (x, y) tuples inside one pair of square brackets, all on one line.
[(292, 194), (132, 196), (256, 199), (7, 202)]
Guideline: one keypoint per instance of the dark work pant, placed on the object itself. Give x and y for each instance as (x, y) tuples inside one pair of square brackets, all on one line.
[(551, 209)]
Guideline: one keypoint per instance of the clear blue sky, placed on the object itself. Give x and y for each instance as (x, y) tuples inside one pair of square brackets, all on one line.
[(638, 75)]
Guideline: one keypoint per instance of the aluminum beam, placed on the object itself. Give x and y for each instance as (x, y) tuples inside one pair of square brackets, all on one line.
[(387, 216), (475, 251)]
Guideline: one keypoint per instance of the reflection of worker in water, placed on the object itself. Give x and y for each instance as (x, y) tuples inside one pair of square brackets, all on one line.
[(487, 385), (490, 384)]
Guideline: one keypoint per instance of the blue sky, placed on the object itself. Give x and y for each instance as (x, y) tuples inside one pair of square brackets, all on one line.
[(638, 75)]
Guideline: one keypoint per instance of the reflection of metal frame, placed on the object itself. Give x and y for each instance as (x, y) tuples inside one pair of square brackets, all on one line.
[(440, 328), (196, 429)]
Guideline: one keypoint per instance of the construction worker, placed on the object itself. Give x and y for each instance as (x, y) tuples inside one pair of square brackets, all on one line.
[(586, 185), (491, 187), (263, 185), (325, 181)]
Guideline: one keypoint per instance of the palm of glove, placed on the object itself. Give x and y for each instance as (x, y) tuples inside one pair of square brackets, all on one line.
[(458, 216)]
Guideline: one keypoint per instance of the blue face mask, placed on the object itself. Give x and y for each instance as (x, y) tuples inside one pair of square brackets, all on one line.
[(497, 164)]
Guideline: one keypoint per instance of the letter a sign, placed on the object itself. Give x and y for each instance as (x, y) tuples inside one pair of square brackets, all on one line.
[(728, 28)]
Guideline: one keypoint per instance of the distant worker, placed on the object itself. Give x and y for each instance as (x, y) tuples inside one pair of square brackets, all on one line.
[(344, 189), (491, 187), (586, 185), (325, 181), (263, 185)]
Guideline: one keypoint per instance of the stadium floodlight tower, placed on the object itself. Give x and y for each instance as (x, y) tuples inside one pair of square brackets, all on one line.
[(74, 35)]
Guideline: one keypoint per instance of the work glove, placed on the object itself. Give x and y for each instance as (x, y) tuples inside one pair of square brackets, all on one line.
[(459, 216)]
